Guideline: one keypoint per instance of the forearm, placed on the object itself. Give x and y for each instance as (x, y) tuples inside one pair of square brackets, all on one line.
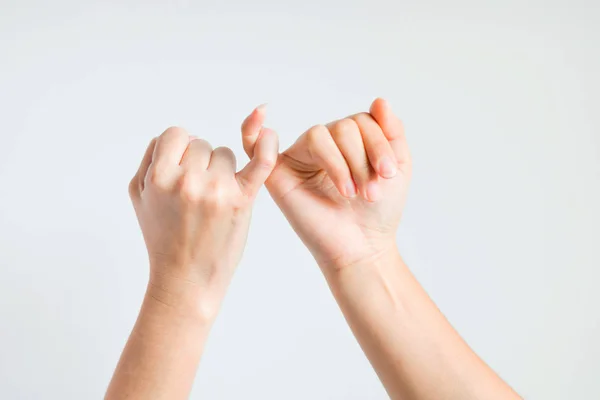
[(414, 350), (164, 348)]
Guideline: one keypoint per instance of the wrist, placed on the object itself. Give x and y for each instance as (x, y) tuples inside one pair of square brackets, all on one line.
[(377, 287), (382, 252), (184, 298), (374, 273)]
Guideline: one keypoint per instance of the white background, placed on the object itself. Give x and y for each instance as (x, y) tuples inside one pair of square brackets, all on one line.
[(501, 105)]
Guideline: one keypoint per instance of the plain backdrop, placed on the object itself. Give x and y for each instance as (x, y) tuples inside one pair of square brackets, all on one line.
[(502, 109)]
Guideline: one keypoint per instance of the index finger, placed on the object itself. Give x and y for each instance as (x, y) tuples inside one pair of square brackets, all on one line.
[(392, 129), (170, 148)]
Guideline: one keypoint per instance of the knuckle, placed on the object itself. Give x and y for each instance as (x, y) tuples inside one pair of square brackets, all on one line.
[(344, 127), (316, 133), (362, 118), (174, 131), (157, 177), (265, 163), (224, 152), (203, 143), (188, 188), (216, 197)]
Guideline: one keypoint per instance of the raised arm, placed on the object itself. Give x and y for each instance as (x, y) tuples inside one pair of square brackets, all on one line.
[(413, 348), (194, 211), (342, 186)]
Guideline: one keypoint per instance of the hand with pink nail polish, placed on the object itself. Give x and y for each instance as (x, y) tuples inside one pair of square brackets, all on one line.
[(343, 185)]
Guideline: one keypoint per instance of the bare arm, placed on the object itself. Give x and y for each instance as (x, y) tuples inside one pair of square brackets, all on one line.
[(413, 348), (194, 211), (163, 351), (342, 186)]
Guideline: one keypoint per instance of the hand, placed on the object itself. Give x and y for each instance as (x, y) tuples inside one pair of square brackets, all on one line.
[(194, 211), (342, 186)]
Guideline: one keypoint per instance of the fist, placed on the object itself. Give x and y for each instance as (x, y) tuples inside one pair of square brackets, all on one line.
[(194, 209), (343, 185)]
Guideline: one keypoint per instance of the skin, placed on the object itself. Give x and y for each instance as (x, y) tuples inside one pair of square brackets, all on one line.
[(194, 212), (342, 186)]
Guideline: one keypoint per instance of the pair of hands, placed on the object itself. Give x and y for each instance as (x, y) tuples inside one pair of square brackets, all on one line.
[(342, 186)]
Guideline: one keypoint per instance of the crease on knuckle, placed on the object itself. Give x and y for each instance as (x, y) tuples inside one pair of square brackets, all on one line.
[(265, 163)]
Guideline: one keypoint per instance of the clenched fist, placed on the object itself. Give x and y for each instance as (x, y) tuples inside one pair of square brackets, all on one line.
[(342, 185), (194, 211)]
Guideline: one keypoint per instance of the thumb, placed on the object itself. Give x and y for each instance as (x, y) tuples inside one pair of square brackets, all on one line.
[(251, 128), (264, 158)]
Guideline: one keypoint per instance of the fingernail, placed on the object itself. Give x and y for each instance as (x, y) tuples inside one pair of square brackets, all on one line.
[(387, 169), (350, 188), (262, 108), (372, 191)]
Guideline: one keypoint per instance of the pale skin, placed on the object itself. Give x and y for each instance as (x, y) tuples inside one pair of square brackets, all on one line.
[(342, 186)]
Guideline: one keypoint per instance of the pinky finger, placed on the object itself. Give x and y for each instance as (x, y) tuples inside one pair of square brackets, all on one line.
[(264, 158), (137, 183)]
